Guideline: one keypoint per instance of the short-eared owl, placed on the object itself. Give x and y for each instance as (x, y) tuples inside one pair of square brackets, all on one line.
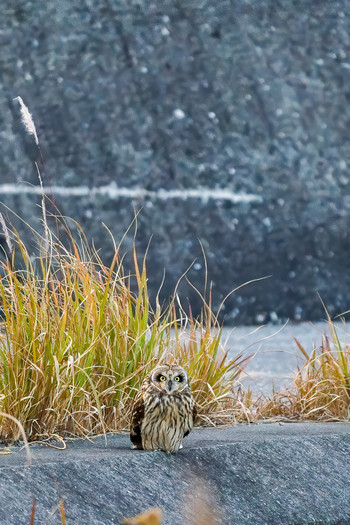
[(164, 410)]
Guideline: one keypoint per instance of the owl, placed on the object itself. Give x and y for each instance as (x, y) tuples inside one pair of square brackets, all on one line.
[(164, 410)]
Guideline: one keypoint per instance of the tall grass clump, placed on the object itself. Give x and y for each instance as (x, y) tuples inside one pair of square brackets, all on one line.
[(76, 341), (321, 387)]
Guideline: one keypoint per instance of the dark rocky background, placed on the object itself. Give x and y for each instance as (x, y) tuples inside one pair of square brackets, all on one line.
[(160, 98)]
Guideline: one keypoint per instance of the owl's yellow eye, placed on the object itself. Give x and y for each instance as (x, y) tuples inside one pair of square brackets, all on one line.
[(162, 378), (177, 379)]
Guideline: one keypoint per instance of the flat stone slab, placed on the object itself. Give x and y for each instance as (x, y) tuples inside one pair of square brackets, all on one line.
[(293, 473)]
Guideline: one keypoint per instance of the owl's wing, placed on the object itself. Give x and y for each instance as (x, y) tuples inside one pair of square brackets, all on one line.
[(194, 415), (138, 412)]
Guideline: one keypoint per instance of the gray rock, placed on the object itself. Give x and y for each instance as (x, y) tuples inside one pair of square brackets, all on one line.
[(249, 97), (295, 473)]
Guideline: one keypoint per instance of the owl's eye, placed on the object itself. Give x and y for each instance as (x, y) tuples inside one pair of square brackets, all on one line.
[(177, 379), (162, 378)]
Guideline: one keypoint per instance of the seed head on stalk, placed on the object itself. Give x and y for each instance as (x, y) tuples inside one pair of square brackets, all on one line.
[(27, 120)]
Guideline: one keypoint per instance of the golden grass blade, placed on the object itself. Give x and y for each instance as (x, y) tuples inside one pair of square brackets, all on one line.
[(24, 437), (152, 516), (32, 514), (62, 512)]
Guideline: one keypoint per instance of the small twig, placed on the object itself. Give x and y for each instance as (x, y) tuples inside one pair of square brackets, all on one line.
[(51, 436)]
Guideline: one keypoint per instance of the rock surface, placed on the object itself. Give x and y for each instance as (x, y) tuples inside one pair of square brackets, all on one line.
[(225, 122), (295, 473)]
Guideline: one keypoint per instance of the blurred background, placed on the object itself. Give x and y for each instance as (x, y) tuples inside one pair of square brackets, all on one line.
[(225, 122)]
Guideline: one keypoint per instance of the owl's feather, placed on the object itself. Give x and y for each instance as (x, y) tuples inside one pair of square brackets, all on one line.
[(164, 411), (194, 417), (138, 412)]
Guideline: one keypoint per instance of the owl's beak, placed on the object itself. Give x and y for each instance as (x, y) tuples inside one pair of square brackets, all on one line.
[(170, 386)]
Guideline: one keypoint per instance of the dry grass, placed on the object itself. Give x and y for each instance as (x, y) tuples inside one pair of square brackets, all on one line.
[(321, 387), (76, 342)]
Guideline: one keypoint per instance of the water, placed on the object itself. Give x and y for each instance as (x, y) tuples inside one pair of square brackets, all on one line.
[(276, 353)]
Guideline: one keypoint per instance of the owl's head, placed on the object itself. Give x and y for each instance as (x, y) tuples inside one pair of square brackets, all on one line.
[(169, 379)]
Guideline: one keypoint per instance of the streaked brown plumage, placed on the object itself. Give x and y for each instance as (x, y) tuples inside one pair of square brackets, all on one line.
[(164, 410)]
